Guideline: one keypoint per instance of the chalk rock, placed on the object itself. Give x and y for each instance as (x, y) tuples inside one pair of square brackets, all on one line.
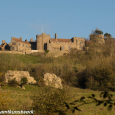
[(52, 80)]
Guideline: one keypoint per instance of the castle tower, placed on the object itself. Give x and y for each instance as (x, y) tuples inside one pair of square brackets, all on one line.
[(42, 41), (97, 38), (3, 41)]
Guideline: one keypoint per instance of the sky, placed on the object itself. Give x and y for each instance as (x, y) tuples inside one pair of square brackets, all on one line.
[(67, 18)]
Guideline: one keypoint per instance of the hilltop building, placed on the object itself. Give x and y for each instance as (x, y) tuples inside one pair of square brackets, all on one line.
[(18, 45), (44, 42), (4, 46)]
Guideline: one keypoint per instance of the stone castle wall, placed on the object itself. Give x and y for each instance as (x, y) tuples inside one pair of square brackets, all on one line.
[(42, 41), (60, 45), (97, 38)]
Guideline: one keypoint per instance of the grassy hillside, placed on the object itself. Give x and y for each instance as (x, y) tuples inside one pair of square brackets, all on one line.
[(22, 99), (82, 71)]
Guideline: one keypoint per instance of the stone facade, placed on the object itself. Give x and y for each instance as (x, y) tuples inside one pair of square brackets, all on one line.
[(17, 44), (4, 46), (97, 38), (44, 42)]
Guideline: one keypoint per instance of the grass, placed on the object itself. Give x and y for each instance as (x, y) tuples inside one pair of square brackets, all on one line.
[(21, 99), (37, 65)]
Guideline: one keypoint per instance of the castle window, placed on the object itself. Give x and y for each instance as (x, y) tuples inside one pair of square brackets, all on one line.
[(13, 48), (13, 43)]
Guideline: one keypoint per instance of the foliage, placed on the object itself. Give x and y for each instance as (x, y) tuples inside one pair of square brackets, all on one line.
[(2, 78), (97, 31), (107, 35), (4, 102), (24, 81), (46, 51), (49, 101), (105, 101), (12, 83)]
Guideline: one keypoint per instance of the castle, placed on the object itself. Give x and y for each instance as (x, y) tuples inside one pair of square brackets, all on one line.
[(44, 42)]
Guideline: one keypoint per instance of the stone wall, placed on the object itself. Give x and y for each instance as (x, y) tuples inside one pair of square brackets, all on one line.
[(19, 45), (42, 41), (80, 43), (60, 46), (76, 42), (14, 52), (97, 38)]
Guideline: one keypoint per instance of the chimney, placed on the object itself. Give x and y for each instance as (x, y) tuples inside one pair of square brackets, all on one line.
[(12, 38), (26, 40), (31, 40), (21, 38), (3, 41), (56, 36)]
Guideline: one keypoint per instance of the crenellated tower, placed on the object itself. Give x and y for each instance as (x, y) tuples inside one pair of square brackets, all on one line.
[(42, 41)]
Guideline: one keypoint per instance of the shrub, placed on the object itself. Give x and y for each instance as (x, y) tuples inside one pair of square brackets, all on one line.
[(12, 83), (46, 51), (49, 101), (4, 102), (3, 83), (69, 79), (24, 80), (2, 77), (40, 82)]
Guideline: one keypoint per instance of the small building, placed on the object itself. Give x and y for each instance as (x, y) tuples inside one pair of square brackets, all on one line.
[(17, 44), (4, 46)]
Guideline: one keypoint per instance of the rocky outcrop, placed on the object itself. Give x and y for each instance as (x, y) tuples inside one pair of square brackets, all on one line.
[(52, 80), (18, 75)]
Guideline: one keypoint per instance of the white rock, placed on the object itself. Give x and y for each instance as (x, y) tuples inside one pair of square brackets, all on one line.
[(18, 75), (52, 80)]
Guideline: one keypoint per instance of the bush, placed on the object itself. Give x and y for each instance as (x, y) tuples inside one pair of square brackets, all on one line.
[(12, 83), (46, 51), (49, 101), (24, 80), (3, 83), (40, 82), (2, 77), (4, 102)]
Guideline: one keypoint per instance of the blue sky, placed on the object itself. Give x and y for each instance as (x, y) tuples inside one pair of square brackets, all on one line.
[(67, 18)]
